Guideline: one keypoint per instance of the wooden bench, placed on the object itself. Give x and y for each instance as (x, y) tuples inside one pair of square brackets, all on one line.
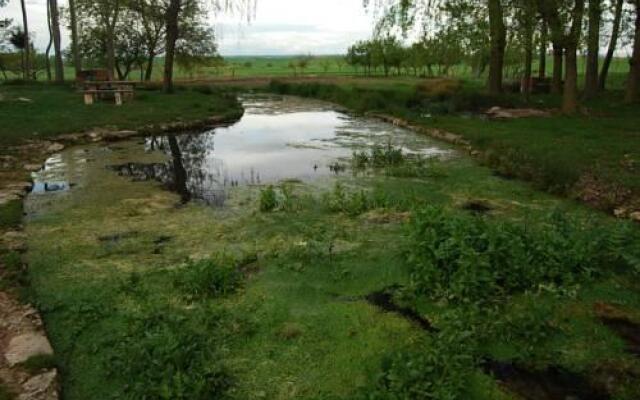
[(121, 91)]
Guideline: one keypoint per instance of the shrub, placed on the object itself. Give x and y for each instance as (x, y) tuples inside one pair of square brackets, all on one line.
[(209, 278), (463, 259), (439, 370), (268, 199)]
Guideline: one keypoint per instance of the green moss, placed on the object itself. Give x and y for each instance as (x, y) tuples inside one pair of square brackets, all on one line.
[(11, 214), (39, 363), (5, 394)]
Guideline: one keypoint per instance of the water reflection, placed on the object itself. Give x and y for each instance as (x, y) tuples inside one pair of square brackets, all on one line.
[(278, 138)]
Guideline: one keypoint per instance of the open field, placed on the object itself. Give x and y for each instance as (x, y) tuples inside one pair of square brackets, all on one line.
[(324, 66)]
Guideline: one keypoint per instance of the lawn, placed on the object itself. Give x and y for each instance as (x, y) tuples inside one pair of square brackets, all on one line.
[(41, 111)]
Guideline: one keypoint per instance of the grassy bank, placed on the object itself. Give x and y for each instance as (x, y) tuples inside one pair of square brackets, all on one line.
[(41, 111), (593, 157)]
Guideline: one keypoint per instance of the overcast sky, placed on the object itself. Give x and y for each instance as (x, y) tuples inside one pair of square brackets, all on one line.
[(279, 27)]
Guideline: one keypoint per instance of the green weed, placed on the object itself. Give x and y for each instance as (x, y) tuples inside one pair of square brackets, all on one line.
[(463, 259), (208, 278), (268, 199)]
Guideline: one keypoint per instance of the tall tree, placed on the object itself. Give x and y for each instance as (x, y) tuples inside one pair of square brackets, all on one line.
[(570, 93), (47, 53), (174, 10), (172, 16), (27, 44), (498, 34), (57, 47), (593, 49), (613, 44), (73, 24), (544, 43), (633, 82)]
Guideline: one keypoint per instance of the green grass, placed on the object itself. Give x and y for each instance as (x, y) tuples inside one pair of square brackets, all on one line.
[(56, 110), (125, 320)]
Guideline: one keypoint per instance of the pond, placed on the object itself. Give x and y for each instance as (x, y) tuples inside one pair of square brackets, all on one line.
[(278, 138)]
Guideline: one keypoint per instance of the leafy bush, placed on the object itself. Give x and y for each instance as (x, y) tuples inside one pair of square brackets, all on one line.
[(268, 199), (439, 371), (462, 259), (353, 204), (171, 356), (209, 278)]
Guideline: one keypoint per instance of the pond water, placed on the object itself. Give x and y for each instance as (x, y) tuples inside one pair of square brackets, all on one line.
[(278, 138)]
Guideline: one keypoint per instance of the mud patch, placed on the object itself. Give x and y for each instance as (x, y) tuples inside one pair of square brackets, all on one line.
[(477, 206), (551, 384), (383, 299), (117, 237)]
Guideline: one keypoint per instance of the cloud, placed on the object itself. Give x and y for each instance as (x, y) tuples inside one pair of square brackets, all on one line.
[(279, 27)]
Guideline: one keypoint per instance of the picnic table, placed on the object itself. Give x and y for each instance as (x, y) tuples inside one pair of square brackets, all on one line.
[(120, 90)]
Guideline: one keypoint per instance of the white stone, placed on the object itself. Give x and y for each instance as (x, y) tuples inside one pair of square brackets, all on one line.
[(25, 346), (41, 387)]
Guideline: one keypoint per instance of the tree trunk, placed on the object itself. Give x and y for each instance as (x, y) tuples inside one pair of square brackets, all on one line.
[(498, 43), (173, 12), (570, 96), (593, 44), (634, 74), (47, 53), (149, 71), (26, 70), (613, 44), (55, 29), (528, 58), (542, 67), (558, 58), (111, 40), (73, 22)]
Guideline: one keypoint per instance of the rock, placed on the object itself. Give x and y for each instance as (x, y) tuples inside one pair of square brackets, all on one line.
[(620, 212), (55, 147), (117, 135), (511, 113), (25, 346), (22, 187), (41, 387), (33, 167), (635, 216), (14, 241)]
